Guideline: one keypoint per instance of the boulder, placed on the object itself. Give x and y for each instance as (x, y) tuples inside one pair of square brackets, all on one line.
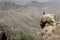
[(48, 24)]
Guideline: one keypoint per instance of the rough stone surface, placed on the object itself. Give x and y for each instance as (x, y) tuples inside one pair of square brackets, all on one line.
[(49, 22)]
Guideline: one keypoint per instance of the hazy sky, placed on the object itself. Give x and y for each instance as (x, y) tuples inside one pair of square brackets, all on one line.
[(24, 1)]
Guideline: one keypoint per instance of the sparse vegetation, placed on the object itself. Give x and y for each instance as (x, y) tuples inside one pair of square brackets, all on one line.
[(27, 37), (22, 36), (26, 18)]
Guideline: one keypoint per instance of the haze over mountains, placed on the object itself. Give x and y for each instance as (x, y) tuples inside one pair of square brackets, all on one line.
[(45, 6)]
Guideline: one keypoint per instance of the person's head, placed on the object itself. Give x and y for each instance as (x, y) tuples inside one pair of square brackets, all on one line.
[(43, 13)]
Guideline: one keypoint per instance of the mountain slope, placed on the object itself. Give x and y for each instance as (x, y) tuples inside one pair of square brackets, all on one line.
[(8, 6), (25, 18)]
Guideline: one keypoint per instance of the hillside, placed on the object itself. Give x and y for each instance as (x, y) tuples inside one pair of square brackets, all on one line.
[(25, 18), (8, 6)]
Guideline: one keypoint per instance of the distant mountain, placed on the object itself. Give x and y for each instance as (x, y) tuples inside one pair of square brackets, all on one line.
[(8, 6), (47, 6)]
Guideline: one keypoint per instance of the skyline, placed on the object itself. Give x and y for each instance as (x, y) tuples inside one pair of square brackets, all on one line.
[(30, 0), (27, 1)]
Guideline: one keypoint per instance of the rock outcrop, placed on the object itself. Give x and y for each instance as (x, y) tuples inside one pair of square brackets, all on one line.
[(48, 24)]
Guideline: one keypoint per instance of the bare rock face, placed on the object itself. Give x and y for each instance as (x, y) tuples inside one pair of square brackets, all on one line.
[(56, 34), (47, 19), (53, 37), (48, 24)]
